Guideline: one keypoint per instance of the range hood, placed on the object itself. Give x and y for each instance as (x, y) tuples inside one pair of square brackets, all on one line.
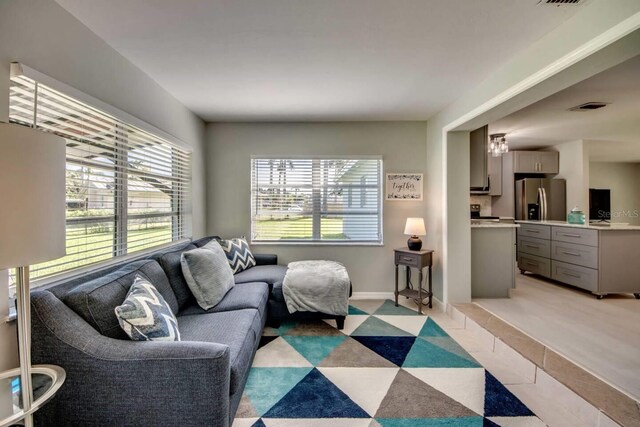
[(478, 153)]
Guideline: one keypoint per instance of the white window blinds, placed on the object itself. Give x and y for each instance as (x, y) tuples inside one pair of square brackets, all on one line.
[(316, 200), (127, 189)]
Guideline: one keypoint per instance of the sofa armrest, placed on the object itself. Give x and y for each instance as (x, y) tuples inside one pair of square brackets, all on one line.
[(118, 382), (266, 259)]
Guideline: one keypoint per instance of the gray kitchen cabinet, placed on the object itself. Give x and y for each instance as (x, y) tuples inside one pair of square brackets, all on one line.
[(478, 173), (547, 162), (599, 260), (493, 260), (495, 176), (526, 161), (535, 246)]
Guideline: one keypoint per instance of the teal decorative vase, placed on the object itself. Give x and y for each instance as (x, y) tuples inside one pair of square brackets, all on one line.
[(576, 216)]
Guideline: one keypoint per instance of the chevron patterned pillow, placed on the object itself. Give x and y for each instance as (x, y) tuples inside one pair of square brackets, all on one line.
[(145, 315), (238, 253)]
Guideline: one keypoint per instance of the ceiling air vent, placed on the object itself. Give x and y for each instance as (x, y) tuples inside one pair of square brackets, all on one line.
[(560, 2), (589, 106)]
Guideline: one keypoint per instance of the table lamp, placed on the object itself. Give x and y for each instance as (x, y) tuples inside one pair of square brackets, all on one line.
[(414, 228), (32, 222)]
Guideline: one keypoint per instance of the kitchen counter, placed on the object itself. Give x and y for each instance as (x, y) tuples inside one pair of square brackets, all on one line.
[(608, 227), (489, 224), (493, 259), (602, 260)]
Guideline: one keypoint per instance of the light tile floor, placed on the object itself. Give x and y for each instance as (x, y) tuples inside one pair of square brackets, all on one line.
[(602, 336), (555, 404)]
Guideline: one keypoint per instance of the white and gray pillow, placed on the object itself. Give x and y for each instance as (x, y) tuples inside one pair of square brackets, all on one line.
[(238, 253), (145, 315), (207, 273)]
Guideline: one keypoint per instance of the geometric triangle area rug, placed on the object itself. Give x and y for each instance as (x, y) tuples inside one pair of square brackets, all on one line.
[(394, 369)]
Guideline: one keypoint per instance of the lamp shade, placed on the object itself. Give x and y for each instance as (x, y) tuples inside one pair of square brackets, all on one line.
[(415, 227), (32, 196)]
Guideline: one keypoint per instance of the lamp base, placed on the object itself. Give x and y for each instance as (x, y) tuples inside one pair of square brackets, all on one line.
[(414, 243)]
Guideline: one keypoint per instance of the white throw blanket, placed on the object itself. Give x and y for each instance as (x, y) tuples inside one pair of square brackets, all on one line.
[(317, 286)]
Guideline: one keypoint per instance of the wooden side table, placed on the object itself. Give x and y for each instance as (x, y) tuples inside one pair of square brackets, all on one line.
[(419, 260)]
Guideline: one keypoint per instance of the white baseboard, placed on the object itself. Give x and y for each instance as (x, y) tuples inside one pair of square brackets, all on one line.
[(439, 305), (372, 295)]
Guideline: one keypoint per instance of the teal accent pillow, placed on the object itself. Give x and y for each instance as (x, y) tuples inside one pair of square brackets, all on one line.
[(145, 315), (207, 273), (238, 253)]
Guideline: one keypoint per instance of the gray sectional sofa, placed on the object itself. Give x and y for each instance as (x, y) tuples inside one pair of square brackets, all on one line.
[(114, 381)]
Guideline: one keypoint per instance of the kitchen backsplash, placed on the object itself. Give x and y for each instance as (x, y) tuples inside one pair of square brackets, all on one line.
[(484, 202)]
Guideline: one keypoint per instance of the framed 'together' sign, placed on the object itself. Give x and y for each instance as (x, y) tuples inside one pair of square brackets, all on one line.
[(404, 186)]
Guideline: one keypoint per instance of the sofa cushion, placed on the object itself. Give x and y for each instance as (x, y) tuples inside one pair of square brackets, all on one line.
[(262, 273), (241, 296), (277, 293), (170, 263), (239, 329), (207, 273), (203, 241), (96, 300), (145, 316), (238, 253)]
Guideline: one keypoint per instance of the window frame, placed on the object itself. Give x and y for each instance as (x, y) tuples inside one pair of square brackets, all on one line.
[(180, 216), (315, 214)]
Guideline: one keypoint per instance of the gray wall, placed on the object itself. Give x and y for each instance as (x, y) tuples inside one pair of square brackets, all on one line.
[(230, 146), (623, 180), (43, 36), (574, 168)]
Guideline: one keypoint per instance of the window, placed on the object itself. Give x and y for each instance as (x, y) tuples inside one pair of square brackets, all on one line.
[(127, 189), (317, 200)]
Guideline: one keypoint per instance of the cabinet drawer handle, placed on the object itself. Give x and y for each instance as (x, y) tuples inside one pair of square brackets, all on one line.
[(571, 253), (577, 276), (533, 264), (407, 259), (577, 236), (532, 246), (533, 231)]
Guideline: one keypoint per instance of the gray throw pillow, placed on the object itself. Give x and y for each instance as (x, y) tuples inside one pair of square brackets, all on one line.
[(145, 315), (207, 273)]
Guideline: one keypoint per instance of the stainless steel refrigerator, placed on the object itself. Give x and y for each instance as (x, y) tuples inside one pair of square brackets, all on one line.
[(541, 199)]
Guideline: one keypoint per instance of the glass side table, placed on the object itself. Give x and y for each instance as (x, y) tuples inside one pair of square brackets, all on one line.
[(46, 380)]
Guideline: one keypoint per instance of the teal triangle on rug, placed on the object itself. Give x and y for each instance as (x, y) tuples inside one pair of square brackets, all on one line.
[(356, 311), (431, 329), (424, 354), (389, 309), (449, 344), (314, 348), (266, 386)]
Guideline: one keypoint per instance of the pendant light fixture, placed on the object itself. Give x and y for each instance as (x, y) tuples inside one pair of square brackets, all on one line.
[(498, 144)]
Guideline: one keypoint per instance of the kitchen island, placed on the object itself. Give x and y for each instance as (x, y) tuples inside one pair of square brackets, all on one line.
[(493, 258), (600, 258)]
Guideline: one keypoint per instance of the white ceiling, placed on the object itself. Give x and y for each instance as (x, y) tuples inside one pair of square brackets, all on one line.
[(613, 131), (318, 60)]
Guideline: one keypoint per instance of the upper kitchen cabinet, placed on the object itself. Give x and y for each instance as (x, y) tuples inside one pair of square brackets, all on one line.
[(549, 162), (546, 162), (479, 175)]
